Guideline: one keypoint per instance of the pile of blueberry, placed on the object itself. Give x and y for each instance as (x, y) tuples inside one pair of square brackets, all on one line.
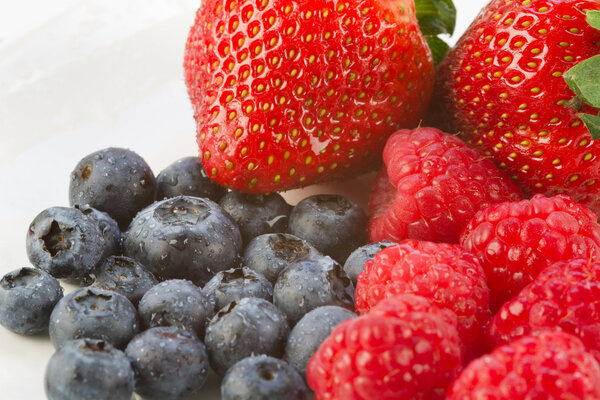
[(179, 275)]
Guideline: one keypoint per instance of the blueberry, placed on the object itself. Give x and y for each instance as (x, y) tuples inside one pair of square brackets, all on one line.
[(184, 238), (114, 180), (333, 224), (186, 176), (27, 297), (310, 332), (243, 328), (108, 226), (257, 214), (126, 276), (178, 303), (270, 253), (235, 284), (355, 263), (66, 243), (169, 363), (88, 369), (310, 283), (263, 378), (95, 313)]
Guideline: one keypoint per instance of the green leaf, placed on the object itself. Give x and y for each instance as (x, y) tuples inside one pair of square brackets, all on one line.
[(436, 16), (593, 18), (592, 122), (584, 80), (438, 48)]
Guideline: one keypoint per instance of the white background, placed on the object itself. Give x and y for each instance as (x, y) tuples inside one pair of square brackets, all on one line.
[(78, 76)]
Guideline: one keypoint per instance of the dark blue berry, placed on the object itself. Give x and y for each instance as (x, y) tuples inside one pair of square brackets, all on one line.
[(270, 253), (243, 328), (355, 263), (257, 214), (126, 276), (178, 303), (89, 369), (333, 224), (310, 283), (235, 284), (114, 180), (184, 238), (95, 313), (27, 297), (310, 332), (169, 363), (108, 226), (263, 378), (186, 176)]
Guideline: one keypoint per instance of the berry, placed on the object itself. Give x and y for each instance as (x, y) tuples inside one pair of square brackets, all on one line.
[(187, 177), (235, 284), (243, 328), (169, 363), (27, 297), (405, 348), (257, 214), (332, 223), (108, 226), (564, 296), (552, 365), (89, 369), (516, 241), (270, 253), (308, 334), (176, 302), (184, 238), (114, 180), (355, 263), (309, 283), (263, 378), (93, 313), (444, 273), (430, 187)]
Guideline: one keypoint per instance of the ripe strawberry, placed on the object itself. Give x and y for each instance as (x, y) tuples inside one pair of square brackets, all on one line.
[(503, 88), (289, 92)]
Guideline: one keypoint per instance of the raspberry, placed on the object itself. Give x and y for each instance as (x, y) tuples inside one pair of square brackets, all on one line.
[(566, 296), (444, 273), (431, 186), (515, 241), (552, 365), (405, 348)]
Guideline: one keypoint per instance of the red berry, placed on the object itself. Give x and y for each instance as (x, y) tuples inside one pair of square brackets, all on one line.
[(405, 348), (552, 365), (516, 241), (564, 296), (430, 187), (443, 273)]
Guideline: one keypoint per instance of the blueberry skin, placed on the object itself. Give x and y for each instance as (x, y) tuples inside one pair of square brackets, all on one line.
[(108, 226), (95, 313), (243, 328), (27, 297), (310, 332), (126, 276), (235, 284), (115, 180), (257, 214), (310, 283), (270, 253), (355, 263), (176, 302), (186, 176), (169, 363), (333, 224), (66, 243), (88, 369), (263, 378), (184, 238)]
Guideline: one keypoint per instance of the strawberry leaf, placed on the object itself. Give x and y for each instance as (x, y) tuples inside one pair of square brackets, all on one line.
[(584, 80), (438, 48), (592, 123), (593, 18), (436, 16)]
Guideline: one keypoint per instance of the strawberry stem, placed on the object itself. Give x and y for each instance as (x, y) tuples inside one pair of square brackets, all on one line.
[(436, 17)]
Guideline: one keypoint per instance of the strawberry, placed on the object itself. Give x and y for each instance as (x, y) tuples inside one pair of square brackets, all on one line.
[(506, 87), (288, 92)]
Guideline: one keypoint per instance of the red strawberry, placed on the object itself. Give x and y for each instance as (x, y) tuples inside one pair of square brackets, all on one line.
[(289, 92), (504, 88)]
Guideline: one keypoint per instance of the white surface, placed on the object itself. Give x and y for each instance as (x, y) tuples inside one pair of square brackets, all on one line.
[(76, 77)]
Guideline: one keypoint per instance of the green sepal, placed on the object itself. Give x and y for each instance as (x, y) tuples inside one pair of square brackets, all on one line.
[(593, 18), (584, 80), (438, 48), (592, 123), (436, 17)]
